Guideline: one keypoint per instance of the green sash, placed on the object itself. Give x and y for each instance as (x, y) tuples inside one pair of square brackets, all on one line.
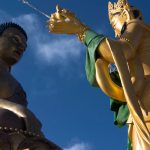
[(120, 109)]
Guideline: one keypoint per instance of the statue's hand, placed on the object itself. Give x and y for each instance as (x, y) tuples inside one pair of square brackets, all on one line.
[(65, 22)]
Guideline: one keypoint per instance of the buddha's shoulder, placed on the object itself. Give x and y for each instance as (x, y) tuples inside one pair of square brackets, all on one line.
[(8, 84)]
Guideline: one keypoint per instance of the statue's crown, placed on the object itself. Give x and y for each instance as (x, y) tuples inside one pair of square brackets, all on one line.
[(118, 7)]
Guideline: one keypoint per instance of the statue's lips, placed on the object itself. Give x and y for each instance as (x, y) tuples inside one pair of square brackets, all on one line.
[(17, 53)]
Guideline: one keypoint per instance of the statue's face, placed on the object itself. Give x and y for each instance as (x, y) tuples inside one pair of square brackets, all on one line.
[(12, 45), (117, 23)]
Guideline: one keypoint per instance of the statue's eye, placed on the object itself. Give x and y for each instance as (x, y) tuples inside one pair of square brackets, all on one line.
[(15, 39)]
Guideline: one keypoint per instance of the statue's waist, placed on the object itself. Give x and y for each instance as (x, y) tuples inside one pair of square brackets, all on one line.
[(146, 117), (10, 119), (21, 114)]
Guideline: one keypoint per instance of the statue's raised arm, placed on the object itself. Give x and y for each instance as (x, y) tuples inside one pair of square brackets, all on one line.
[(64, 21)]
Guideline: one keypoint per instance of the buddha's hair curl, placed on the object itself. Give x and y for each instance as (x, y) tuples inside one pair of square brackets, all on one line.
[(7, 25)]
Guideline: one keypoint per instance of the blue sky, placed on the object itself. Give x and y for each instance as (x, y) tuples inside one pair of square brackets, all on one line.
[(74, 115)]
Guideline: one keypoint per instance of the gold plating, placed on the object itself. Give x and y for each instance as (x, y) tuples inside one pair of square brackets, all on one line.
[(118, 7)]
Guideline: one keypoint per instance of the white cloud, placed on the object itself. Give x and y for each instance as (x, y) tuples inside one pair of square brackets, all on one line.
[(79, 146), (58, 49), (48, 48), (29, 21)]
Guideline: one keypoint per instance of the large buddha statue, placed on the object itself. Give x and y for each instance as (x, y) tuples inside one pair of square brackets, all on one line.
[(19, 128), (130, 52)]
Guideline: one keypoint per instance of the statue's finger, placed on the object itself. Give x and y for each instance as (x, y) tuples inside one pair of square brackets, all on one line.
[(51, 21), (53, 25), (68, 14), (65, 11), (58, 9), (57, 27), (53, 16), (56, 16)]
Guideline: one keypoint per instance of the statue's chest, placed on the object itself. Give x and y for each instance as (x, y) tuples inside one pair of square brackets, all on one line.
[(11, 90)]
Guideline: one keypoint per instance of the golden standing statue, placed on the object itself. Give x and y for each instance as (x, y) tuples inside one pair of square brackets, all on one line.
[(131, 55)]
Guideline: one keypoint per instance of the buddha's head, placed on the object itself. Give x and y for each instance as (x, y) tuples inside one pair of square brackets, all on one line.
[(13, 42)]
